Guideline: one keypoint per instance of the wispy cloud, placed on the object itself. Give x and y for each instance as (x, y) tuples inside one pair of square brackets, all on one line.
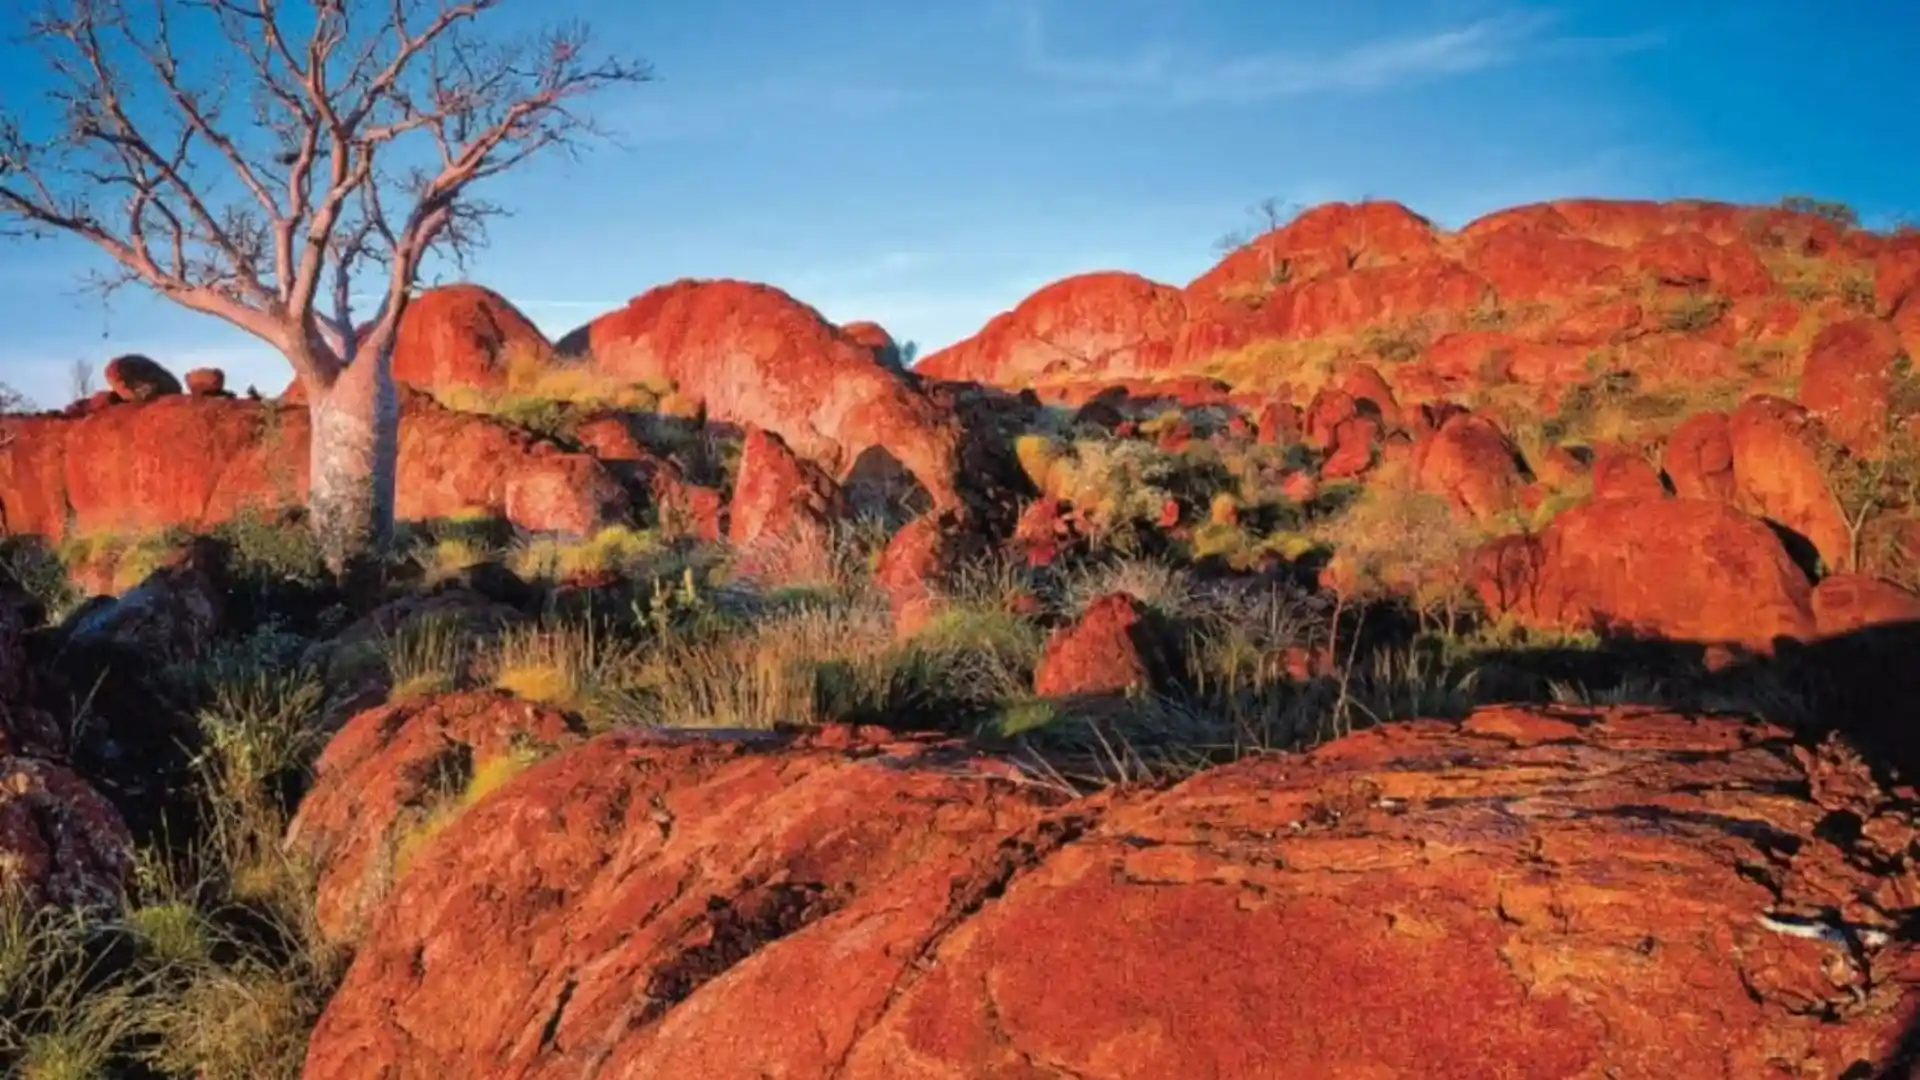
[(1165, 74)]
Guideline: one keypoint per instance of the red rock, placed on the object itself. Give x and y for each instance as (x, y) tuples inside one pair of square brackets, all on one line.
[(1353, 450), (630, 876), (1113, 648), (199, 461), (1698, 459), (680, 506), (1525, 262), (381, 780), (1364, 383), (756, 357), (1557, 467), (1896, 276), (1604, 323), (61, 843), (1906, 323), (1764, 319), (1099, 325), (655, 906), (1848, 382), (1279, 423), (206, 382), (1536, 364), (1169, 514), (1690, 258), (1300, 487), (465, 335), (1472, 464), (1328, 239), (1776, 465), (784, 511), (136, 378), (1473, 356), (1680, 569), (1690, 361), (1386, 296), (93, 403), (913, 568), (1045, 528), (874, 338), (1621, 471), (1329, 408), (1843, 603)]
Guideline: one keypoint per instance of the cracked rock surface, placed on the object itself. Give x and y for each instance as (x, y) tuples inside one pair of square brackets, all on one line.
[(1529, 894)]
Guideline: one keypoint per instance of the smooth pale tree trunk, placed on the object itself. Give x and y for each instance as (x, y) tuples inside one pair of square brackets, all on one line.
[(354, 455)]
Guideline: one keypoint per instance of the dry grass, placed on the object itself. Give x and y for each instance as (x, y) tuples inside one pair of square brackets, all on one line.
[(797, 666), (531, 379), (427, 655), (1305, 365), (581, 668), (215, 969)]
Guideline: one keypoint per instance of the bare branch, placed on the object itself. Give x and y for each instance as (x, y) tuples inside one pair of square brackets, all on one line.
[(326, 148)]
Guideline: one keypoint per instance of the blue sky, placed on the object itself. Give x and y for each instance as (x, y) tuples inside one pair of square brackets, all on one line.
[(928, 164)]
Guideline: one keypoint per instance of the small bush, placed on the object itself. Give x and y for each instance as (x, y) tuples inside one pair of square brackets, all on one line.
[(276, 551), (617, 550), (1694, 312), (1396, 343), (1838, 213), (1399, 543), (37, 570)]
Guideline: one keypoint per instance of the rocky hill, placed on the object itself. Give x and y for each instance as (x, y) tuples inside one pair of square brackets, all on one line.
[(1398, 652)]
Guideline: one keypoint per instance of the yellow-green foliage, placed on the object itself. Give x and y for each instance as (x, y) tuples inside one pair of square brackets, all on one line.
[(1304, 364), (542, 395), (580, 668), (489, 775), (172, 931), (1037, 455), (685, 406), (1394, 541), (1161, 423), (1111, 481), (616, 549), (133, 557), (449, 557)]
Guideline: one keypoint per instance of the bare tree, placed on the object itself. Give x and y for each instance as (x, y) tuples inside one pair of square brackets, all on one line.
[(80, 380), (299, 156), (1268, 214)]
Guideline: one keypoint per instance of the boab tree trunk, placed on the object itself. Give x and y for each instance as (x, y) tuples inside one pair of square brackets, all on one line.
[(353, 457)]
